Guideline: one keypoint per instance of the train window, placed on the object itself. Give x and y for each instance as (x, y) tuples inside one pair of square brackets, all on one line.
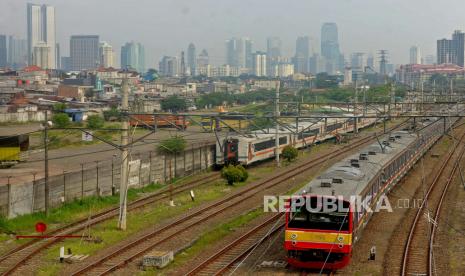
[(309, 133), (269, 144), (333, 127), (302, 218)]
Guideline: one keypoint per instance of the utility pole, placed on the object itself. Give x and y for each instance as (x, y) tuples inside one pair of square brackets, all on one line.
[(355, 108), (277, 125), (47, 188), (124, 157), (422, 98)]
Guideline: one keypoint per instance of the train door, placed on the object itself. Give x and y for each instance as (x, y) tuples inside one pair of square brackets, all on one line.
[(231, 152)]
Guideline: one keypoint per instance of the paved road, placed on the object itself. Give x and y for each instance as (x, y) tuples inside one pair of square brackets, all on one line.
[(71, 158)]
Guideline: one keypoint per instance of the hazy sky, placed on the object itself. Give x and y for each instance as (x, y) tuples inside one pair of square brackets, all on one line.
[(166, 27)]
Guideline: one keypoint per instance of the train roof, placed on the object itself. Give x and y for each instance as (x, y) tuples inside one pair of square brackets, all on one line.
[(346, 180)]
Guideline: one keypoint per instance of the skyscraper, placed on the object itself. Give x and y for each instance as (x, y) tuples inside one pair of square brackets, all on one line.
[(106, 55), (458, 44), (330, 47), (41, 29), (302, 54), (203, 59), (415, 55), (273, 47), (41, 55), (239, 52), (169, 66), (445, 51), (357, 61), (3, 51), (84, 52), (133, 56), (191, 59), (17, 52), (259, 64)]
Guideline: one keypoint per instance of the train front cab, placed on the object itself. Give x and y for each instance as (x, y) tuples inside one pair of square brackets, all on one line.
[(231, 151), (316, 240)]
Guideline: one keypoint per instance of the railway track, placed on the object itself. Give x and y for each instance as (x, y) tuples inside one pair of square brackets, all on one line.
[(130, 251), (12, 260), (224, 259), (418, 255)]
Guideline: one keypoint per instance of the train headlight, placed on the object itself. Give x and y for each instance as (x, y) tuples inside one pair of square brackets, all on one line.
[(293, 236), (340, 238)]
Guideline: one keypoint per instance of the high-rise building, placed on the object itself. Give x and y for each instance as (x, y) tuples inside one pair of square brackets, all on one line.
[(17, 52), (66, 63), (57, 56), (106, 55), (191, 59), (330, 47), (357, 61), (169, 66), (302, 54), (239, 52), (259, 64), (41, 29), (84, 52), (133, 56), (445, 52), (41, 55), (203, 59), (273, 47), (458, 44), (429, 60), (3, 51), (415, 55)]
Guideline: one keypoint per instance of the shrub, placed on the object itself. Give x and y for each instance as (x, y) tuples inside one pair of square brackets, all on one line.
[(232, 174), (112, 115), (95, 122), (290, 153), (59, 107), (244, 172), (172, 145), (60, 120)]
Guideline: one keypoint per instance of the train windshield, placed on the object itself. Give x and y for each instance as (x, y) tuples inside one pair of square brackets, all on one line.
[(305, 219)]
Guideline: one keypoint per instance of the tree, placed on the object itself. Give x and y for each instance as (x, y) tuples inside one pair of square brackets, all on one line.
[(232, 174), (112, 115), (95, 122), (174, 104), (59, 107), (172, 145), (60, 120), (290, 153)]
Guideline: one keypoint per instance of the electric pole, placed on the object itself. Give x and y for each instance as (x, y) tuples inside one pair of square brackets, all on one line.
[(47, 188), (124, 157), (277, 125)]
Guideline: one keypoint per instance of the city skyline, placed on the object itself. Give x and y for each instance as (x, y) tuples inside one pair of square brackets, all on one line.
[(219, 22)]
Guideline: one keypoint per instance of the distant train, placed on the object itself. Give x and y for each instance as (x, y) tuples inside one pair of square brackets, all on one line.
[(13, 149), (323, 239), (260, 145), (168, 121)]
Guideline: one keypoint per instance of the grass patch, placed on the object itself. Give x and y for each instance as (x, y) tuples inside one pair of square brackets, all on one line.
[(68, 212)]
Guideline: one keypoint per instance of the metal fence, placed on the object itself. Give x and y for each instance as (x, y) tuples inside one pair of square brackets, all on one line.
[(102, 178)]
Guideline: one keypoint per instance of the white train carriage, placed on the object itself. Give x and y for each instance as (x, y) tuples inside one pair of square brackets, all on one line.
[(259, 145)]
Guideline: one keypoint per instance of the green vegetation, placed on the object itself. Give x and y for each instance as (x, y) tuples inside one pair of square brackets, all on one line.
[(59, 107), (172, 145), (290, 153), (234, 174), (112, 115), (95, 122), (221, 98), (173, 104), (68, 212), (60, 120)]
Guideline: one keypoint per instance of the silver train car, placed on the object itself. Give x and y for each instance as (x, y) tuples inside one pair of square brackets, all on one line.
[(258, 146), (315, 239)]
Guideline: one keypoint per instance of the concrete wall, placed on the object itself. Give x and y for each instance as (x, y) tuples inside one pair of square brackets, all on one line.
[(22, 117), (102, 178)]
